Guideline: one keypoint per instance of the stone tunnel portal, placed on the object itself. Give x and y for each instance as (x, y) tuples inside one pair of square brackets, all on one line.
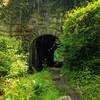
[(42, 52)]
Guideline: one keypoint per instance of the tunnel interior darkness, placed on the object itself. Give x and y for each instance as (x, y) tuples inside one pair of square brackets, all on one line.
[(42, 52)]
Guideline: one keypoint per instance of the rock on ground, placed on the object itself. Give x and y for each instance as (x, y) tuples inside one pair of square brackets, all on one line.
[(65, 98)]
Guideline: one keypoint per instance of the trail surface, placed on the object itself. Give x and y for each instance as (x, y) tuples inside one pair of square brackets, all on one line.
[(63, 85)]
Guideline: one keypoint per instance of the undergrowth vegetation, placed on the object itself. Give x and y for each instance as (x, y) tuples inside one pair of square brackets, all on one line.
[(31, 87), (85, 84)]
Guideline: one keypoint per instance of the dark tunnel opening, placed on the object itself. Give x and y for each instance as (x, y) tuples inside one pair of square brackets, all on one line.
[(42, 52)]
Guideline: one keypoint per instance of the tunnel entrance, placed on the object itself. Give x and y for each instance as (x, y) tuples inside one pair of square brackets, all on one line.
[(42, 52)]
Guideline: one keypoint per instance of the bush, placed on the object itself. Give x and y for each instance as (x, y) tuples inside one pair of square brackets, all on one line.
[(12, 61), (84, 83), (81, 38)]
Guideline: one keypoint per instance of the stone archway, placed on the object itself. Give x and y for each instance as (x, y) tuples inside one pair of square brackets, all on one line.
[(42, 51)]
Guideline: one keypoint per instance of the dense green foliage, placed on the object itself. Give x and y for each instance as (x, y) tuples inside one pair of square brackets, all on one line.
[(31, 87), (85, 84), (11, 57), (81, 38), (80, 43)]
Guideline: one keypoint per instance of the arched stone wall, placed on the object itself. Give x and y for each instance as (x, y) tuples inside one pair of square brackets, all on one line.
[(42, 51)]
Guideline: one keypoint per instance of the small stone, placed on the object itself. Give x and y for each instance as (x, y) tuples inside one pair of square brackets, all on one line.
[(65, 98)]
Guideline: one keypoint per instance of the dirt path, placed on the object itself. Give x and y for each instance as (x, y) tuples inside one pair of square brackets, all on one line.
[(63, 85)]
